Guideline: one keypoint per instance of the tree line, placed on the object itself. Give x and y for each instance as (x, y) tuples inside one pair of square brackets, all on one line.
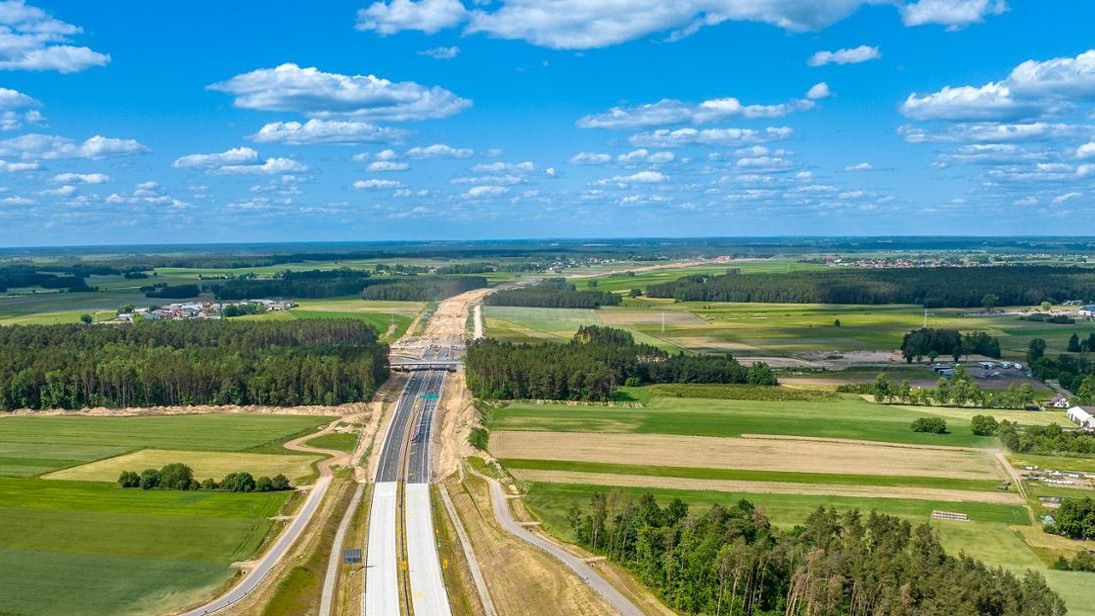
[(423, 288), (731, 561), (178, 476), (1050, 440), (957, 287), (592, 366), (931, 343), (553, 293), (279, 363), (313, 284), (960, 390)]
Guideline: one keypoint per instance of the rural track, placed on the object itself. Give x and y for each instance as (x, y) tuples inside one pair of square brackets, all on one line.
[(592, 579), (285, 541)]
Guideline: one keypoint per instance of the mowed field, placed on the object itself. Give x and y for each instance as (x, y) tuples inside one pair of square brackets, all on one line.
[(212, 464), (788, 457), (90, 547)]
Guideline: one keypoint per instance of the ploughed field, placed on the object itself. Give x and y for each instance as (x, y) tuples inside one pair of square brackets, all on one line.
[(76, 543), (786, 455)]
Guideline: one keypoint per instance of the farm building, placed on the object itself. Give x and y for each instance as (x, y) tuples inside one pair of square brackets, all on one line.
[(1082, 416), (1059, 402)]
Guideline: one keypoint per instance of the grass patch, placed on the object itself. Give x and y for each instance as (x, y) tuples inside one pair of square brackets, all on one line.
[(751, 475), (732, 392), (205, 464), (339, 441)]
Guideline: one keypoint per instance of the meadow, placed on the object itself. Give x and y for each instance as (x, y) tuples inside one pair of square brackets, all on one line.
[(91, 547), (206, 464)]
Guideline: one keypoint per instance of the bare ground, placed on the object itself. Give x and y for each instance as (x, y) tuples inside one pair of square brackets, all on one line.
[(759, 453), (766, 487)]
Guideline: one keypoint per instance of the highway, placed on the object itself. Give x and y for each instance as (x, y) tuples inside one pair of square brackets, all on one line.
[(405, 458)]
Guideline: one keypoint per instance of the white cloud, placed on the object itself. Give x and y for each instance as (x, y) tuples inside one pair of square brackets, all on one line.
[(995, 132), (50, 147), (270, 167), (81, 178), (387, 165), (664, 138), (428, 16), (1086, 150), (670, 111), (642, 177), (1056, 78), (951, 13), (326, 131), (642, 155), (318, 94), (441, 53), (590, 158), (8, 167), (375, 184), (484, 192), (1085, 170), (234, 156), (992, 101), (818, 91), (61, 191), (32, 40), (13, 99), (496, 180), (1067, 197), (864, 166), (854, 55), (439, 150), (501, 167)]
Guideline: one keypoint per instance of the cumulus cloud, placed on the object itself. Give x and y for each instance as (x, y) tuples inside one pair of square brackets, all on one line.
[(270, 167), (234, 156), (682, 137), (995, 132), (13, 99), (314, 131), (642, 177), (81, 178), (375, 184), (642, 155), (864, 166), (387, 165), (670, 111), (1056, 78), (50, 147), (951, 13), (9, 167), (441, 53), (1086, 150), (503, 167), (290, 88), (484, 192), (853, 55), (590, 158), (427, 16), (32, 40), (818, 91), (439, 150)]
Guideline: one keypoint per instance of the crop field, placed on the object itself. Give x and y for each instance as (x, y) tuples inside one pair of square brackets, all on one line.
[(846, 417), (91, 547), (212, 464), (621, 281)]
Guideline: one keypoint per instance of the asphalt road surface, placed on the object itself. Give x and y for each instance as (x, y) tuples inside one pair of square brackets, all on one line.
[(428, 594), (584, 571), (271, 558)]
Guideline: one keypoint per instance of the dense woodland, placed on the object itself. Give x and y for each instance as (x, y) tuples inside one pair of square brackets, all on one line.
[(1075, 519), (70, 279), (553, 293), (423, 288), (932, 343), (958, 287), (591, 367), (730, 561), (1074, 373), (282, 363), (314, 284)]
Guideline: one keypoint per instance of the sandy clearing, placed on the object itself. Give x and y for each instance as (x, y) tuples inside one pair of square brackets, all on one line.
[(790, 455), (767, 487)]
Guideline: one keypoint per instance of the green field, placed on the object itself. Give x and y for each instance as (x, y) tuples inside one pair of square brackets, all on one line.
[(90, 547), (847, 417), (621, 281), (341, 441)]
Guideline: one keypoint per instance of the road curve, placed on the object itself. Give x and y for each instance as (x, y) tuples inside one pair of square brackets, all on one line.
[(593, 579)]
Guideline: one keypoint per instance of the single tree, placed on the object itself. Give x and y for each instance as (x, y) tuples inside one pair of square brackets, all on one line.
[(86, 319), (1036, 350)]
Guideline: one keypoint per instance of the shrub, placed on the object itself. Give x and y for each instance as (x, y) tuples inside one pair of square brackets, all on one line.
[(479, 438), (150, 478), (983, 425), (129, 479), (933, 425)]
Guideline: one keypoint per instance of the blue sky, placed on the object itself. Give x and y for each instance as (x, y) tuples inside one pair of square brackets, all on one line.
[(129, 122)]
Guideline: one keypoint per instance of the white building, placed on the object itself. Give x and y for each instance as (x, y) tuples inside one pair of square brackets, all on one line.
[(1082, 416)]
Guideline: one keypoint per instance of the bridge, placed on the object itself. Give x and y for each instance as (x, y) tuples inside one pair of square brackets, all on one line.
[(415, 365)]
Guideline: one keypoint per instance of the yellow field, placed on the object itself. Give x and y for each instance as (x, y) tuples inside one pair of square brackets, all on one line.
[(758, 453), (205, 464)]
